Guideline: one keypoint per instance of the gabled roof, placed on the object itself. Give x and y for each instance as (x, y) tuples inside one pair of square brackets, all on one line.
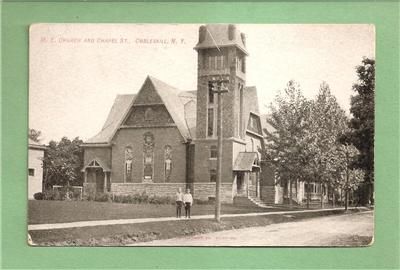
[(223, 35), (35, 145), (173, 102), (245, 161), (120, 107), (180, 104), (96, 163), (250, 104)]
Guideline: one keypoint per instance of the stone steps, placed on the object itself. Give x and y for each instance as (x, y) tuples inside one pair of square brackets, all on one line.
[(259, 202)]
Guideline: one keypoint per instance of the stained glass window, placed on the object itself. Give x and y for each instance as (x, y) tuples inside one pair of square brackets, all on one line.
[(128, 163), (167, 162)]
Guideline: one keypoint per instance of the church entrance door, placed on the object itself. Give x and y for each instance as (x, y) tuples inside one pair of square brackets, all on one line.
[(240, 184), (99, 175)]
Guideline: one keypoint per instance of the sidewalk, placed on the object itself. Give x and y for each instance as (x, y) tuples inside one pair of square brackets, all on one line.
[(79, 224)]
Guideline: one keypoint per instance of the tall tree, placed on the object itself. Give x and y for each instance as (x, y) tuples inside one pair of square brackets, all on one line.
[(327, 122), (349, 177), (361, 124), (62, 162), (34, 135), (286, 141)]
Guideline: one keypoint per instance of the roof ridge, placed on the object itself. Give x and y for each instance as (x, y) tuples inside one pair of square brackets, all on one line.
[(173, 103)]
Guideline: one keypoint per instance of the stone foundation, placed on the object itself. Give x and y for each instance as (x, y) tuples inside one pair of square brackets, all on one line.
[(155, 189), (204, 191), (200, 191)]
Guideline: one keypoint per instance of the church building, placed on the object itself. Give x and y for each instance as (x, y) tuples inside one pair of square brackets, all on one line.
[(163, 138)]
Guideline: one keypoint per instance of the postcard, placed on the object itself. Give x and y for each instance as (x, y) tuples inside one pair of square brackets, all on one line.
[(201, 135)]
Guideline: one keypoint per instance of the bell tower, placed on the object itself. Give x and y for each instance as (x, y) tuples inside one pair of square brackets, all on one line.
[(221, 57), (221, 50)]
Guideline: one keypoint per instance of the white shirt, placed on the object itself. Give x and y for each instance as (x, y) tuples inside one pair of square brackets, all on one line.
[(187, 198), (179, 196)]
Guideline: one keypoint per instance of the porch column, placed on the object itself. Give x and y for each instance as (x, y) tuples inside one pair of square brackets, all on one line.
[(246, 175), (105, 182), (109, 180), (85, 176)]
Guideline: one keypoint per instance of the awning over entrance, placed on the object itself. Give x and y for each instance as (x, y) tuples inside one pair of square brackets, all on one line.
[(97, 163), (246, 161)]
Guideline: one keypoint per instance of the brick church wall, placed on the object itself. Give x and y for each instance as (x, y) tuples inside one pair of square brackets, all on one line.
[(163, 136), (203, 163), (104, 153)]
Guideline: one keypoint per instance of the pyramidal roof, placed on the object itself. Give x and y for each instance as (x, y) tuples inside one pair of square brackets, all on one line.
[(222, 35), (174, 100)]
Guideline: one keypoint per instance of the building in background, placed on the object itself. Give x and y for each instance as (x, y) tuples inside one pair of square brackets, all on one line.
[(35, 168)]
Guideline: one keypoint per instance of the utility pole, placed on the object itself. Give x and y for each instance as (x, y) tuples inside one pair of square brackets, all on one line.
[(219, 88)]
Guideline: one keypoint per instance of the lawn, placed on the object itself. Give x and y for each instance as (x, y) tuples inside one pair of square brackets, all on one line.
[(40, 212), (120, 235)]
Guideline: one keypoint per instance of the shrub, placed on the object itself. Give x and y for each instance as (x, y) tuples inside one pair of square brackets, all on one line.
[(49, 195), (117, 199), (102, 197), (142, 198), (57, 195), (76, 194), (38, 196), (203, 202)]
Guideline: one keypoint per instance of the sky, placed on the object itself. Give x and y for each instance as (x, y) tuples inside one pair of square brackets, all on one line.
[(76, 70)]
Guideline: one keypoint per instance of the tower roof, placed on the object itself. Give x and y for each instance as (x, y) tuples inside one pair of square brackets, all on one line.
[(222, 35)]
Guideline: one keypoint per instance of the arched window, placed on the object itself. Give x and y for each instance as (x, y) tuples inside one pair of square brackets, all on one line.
[(213, 151), (210, 92), (213, 175), (128, 163), (148, 157), (167, 162)]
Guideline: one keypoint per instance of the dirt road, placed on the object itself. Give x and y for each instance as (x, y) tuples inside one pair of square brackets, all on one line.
[(343, 230)]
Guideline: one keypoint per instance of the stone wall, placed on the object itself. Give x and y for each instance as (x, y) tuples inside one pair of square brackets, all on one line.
[(156, 189), (204, 191), (200, 191)]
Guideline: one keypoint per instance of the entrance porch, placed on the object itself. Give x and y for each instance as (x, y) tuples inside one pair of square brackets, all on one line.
[(97, 177), (246, 182)]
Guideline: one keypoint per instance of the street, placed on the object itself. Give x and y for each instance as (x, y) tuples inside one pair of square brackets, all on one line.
[(343, 230)]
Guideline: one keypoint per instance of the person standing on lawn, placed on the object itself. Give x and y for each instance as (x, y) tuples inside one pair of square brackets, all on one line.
[(179, 202), (188, 201)]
